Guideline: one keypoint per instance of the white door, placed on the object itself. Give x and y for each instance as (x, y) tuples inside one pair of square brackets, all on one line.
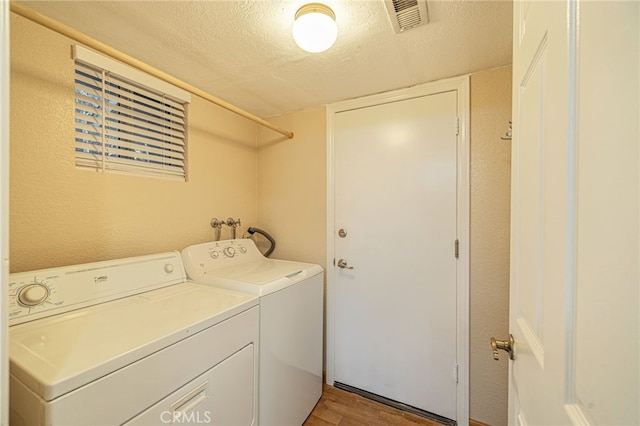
[(575, 214), (395, 200)]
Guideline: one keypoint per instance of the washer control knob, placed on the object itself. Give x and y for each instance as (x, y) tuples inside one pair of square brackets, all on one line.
[(33, 294), (214, 254), (229, 251), (243, 249), (168, 268)]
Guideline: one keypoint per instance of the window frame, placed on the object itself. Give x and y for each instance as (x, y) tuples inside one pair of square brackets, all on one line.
[(127, 121)]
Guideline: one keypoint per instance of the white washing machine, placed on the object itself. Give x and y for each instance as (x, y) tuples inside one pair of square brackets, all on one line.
[(130, 341), (291, 318)]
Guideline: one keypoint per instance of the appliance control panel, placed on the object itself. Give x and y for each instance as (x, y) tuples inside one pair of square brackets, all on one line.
[(231, 248), (46, 292), (214, 255)]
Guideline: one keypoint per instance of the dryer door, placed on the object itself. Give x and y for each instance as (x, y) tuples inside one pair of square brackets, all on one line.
[(223, 396)]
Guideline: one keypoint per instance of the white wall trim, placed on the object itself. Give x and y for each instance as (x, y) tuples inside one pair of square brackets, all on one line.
[(461, 85), (330, 277), (464, 208), (136, 76)]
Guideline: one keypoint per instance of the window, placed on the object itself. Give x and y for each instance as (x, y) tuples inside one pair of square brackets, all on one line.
[(127, 121)]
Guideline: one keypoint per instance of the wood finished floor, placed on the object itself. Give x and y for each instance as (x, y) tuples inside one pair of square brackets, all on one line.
[(338, 407)]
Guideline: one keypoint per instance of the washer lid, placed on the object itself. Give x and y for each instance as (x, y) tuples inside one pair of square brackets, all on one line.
[(58, 354), (261, 277)]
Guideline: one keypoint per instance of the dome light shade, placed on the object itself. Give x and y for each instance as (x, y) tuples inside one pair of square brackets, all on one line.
[(315, 29)]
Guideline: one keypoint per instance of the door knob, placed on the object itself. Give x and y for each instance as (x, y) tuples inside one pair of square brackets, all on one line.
[(505, 345), (343, 264)]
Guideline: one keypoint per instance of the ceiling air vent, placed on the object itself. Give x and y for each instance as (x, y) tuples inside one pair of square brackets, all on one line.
[(406, 14)]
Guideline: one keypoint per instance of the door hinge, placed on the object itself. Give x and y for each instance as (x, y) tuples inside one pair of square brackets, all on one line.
[(457, 126), (456, 250), (455, 372)]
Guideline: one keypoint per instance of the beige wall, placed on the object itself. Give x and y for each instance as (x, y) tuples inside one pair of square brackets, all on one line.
[(292, 185), (61, 215), (489, 268)]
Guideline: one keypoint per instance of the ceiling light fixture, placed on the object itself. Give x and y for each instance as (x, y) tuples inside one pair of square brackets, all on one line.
[(315, 29)]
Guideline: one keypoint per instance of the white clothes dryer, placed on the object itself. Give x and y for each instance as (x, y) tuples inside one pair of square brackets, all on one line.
[(291, 322), (130, 341)]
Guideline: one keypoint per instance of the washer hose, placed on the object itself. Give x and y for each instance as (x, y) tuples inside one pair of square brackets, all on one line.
[(252, 230)]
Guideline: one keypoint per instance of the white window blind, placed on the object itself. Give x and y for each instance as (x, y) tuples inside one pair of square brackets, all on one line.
[(123, 126)]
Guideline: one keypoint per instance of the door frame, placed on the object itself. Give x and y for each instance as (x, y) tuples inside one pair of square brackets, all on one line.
[(461, 85)]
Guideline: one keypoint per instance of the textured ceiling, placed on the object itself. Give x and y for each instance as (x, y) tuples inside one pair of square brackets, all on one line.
[(242, 51)]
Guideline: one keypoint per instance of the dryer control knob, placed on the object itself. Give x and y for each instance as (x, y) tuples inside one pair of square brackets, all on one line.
[(229, 251), (168, 268), (33, 294)]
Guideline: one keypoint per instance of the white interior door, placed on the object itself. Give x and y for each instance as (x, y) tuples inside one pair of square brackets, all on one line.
[(395, 198), (575, 214)]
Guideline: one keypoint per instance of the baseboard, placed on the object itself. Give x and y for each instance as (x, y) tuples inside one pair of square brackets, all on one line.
[(477, 423), (396, 404)]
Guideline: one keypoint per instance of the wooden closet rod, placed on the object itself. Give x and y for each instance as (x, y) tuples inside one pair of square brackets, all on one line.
[(34, 16)]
